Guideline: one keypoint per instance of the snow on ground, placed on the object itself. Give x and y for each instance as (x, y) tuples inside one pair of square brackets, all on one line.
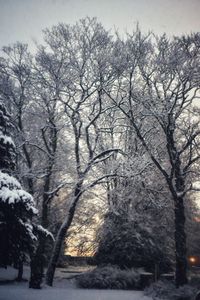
[(64, 289), (22, 292)]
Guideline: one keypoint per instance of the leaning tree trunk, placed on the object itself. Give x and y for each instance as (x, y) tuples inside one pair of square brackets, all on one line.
[(61, 235), (56, 252), (58, 245)]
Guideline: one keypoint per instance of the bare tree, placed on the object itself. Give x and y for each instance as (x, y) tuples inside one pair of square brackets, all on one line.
[(168, 81), (82, 97), (33, 100), (83, 105)]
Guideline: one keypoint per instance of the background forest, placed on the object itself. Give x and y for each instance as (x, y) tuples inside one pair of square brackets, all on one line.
[(106, 138)]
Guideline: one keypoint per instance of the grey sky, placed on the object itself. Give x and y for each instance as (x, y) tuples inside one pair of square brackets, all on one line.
[(23, 20)]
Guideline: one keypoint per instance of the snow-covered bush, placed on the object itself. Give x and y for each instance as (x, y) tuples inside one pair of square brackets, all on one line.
[(136, 232), (109, 277), (167, 290), (18, 233), (7, 146), (17, 207), (129, 244)]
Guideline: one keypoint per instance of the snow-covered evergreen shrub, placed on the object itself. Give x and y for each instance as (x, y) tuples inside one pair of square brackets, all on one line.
[(17, 207), (18, 234), (109, 277), (167, 290), (129, 244), (7, 146)]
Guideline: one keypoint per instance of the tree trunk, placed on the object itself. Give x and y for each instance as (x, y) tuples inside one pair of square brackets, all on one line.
[(180, 243), (56, 252), (37, 267), (20, 271), (38, 260), (61, 235)]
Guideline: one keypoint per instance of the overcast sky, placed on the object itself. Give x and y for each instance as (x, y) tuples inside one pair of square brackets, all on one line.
[(23, 20)]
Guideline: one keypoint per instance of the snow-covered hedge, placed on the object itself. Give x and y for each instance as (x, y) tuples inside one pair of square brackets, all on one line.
[(167, 290), (109, 277)]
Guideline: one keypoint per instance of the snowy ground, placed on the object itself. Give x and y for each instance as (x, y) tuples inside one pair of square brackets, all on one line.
[(64, 289), (21, 292)]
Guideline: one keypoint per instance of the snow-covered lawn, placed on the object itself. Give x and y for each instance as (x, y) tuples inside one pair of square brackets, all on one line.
[(21, 292), (63, 289)]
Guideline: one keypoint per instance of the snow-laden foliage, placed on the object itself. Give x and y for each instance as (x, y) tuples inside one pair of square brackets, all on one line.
[(17, 207), (86, 87), (109, 277), (6, 140), (9, 181), (11, 193), (7, 146), (132, 234), (18, 234), (41, 230), (167, 290), (129, 244)]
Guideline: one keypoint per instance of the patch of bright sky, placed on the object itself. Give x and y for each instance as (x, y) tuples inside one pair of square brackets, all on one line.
[(23, 20)]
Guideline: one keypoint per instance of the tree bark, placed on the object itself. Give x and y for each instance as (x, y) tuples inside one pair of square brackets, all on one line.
[(38, 259), (20, 271), (37, 271), (180, 244), (37, 267), (56, 252), (61, 235), (179, 235)]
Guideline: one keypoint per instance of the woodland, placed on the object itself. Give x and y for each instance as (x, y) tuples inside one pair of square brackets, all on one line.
[(99, 150)]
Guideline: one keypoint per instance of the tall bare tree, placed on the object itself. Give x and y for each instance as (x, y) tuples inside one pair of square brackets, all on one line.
[(160, 89), (88, 46)]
